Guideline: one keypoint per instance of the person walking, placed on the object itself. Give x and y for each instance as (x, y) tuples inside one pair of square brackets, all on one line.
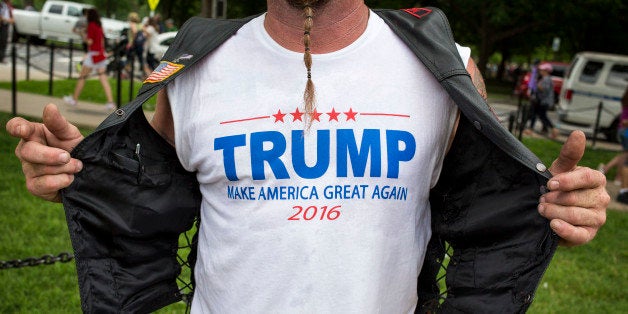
[(6, 20), (150, 29), (620, 159), (80, 28), (360, 135), (533, 97), (135, 45), (622, 134), (545, 95), (96, 60)]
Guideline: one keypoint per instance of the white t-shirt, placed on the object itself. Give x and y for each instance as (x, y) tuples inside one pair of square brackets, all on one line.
[(333, 219)]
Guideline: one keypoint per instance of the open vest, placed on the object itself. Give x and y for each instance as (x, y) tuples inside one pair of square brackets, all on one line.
[(126, 209)]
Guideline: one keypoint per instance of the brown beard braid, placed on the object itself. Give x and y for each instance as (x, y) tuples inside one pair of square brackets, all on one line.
[(309, 96)]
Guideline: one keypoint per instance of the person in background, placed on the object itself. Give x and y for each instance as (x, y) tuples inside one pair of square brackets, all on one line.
[(96, 59), (6, 20), (135, 45), (170, 27), (80, 28), (533, 96), (617, 161), (622, 132), (150, 29), (157, 19), (545, 98), (29, 6)]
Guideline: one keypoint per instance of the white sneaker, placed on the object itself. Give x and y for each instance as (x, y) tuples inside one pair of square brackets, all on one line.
[(110, 106), (69, 101)]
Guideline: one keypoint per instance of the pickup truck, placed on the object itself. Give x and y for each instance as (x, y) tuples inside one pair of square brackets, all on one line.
[(56, 21)]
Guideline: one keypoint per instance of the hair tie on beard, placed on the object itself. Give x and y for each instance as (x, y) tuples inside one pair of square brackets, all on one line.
[(306, 33)]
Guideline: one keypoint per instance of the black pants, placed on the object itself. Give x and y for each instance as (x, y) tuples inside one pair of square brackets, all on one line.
[(4, 37), (151, 61), (540, 110)]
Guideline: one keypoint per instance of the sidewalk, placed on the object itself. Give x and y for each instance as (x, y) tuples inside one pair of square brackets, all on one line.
[(85, 114)]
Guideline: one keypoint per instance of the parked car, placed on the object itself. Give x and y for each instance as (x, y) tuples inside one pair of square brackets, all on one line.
[(56, 21), (592, 79), (164, 40), (558, 73)]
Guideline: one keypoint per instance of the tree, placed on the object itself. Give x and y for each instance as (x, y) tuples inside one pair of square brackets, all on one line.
[(523, 27), (490, 25)]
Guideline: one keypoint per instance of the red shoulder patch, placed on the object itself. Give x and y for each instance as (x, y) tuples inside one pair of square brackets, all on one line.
[(418, 12)]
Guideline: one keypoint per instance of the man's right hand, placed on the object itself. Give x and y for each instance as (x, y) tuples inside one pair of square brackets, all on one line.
[(44, 150)]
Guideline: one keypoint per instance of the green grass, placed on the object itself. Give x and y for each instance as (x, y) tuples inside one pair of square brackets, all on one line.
[(92, 92), (588, 279), (500, 91), (31, 227)]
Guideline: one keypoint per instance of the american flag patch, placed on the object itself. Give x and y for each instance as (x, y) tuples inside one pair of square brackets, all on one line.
[(163, 71)]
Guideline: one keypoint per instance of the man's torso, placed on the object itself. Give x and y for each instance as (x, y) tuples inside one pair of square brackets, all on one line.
[(334, 217)]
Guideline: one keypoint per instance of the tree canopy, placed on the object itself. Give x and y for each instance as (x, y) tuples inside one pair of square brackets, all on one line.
[(523, 29)]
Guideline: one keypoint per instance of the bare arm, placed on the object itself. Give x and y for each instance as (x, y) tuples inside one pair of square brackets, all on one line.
[(162, 119), (476, 77)]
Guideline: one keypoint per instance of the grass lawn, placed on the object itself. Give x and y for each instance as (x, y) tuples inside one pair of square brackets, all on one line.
[(587, 279)]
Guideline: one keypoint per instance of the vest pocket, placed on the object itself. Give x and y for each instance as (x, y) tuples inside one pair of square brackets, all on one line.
[(146, 171)]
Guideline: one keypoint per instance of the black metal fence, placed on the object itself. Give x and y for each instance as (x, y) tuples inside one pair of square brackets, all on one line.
[(121, 66), (517, 119)]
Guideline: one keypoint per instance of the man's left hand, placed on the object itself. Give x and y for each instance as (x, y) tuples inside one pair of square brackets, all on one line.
[(577, 198)]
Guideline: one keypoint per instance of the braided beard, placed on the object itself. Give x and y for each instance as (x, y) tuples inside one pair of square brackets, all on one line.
[(309, 95)]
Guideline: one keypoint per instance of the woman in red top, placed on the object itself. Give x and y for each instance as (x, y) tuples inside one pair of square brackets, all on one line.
[(96, 60)]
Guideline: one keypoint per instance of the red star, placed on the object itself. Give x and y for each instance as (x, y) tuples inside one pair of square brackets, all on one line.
[(351, 114), (279, 116), (315, 115), (296, 115), (333, 115)]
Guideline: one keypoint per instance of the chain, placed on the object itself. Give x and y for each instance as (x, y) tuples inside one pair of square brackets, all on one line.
[(47, 259)]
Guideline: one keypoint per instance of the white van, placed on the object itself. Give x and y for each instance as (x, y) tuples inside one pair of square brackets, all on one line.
[(594, 78)]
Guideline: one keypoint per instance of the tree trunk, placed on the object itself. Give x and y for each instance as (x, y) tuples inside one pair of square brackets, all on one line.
[(484, 54), (206, 8), (502, 65)]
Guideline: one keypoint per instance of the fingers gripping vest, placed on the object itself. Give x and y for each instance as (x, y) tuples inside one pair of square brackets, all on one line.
[(127, 207)]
